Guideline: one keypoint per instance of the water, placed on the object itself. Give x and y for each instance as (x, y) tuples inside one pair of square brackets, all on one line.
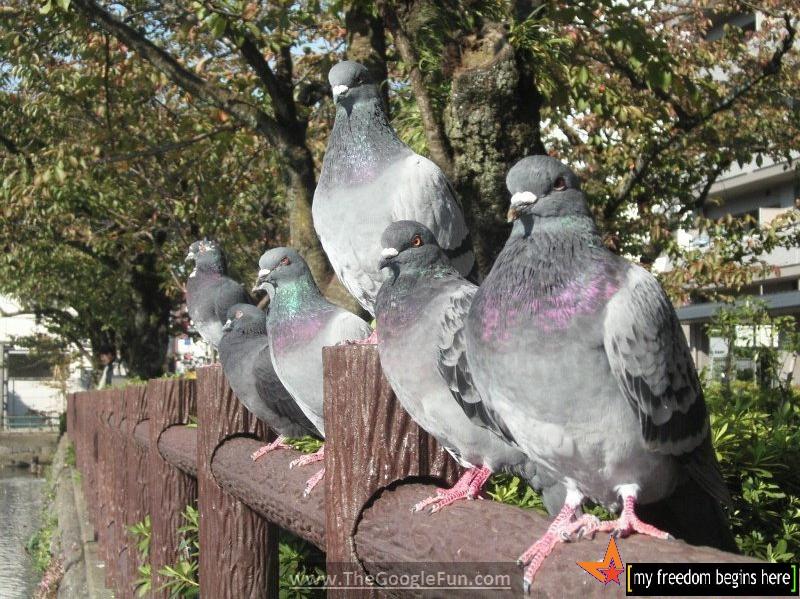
[(20, 508)]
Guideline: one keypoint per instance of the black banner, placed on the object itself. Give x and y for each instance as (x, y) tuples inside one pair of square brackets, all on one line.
[(702, 579)]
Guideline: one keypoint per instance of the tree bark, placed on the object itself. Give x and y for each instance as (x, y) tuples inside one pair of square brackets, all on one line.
[(491, 120)]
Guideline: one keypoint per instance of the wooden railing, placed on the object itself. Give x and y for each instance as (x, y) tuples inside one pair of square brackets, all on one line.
[(138, 455)]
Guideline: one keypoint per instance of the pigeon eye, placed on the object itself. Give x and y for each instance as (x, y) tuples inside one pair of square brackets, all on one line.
[(560, 184), (416, 241), (239, 314), (285, 261)]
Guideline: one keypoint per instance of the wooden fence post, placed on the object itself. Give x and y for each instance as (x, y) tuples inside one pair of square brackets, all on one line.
[(133, 485), (169, 402), (371, 442), (239, 557)]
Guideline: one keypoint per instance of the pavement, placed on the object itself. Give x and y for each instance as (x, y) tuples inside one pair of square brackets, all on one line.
[(84, 572)]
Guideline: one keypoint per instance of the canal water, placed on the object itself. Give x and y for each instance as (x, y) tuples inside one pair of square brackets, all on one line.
[(20, 508)]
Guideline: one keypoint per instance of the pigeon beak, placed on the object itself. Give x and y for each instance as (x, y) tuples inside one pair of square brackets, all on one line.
[(189, 257), (338, 90), (261, 282), (387, 254), (519, 201), (228, 326)]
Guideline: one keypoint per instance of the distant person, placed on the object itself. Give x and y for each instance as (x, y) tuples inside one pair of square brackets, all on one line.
[(107, 356)]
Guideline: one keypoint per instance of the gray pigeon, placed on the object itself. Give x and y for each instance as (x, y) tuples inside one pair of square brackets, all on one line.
[(420, 310), (209, 291), (369, 179), (300, 323), (244, 354), (616, 412)]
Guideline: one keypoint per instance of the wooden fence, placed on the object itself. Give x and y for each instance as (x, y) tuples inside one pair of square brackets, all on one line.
[(137, 456)]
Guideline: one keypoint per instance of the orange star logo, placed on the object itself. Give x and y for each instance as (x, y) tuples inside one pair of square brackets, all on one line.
[(610, 568)]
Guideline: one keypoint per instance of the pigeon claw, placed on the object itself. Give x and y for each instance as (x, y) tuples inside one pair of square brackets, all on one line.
[(467, 487), (628, 523), (309, 458), (313, 482), (276, 444), (371, 340)]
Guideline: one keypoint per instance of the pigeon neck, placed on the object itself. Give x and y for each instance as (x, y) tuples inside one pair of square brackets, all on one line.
[(560, 247), (362, 143), (292, 297)]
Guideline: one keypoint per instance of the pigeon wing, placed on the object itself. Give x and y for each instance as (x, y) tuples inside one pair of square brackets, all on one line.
[(452, 362), (422, 193), (650, 359)]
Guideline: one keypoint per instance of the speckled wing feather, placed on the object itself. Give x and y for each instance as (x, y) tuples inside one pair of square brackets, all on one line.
[(422, 193), (452, 363), (649, 357)]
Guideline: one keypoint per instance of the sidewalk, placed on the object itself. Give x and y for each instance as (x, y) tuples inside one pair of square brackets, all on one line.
[(84, 574)]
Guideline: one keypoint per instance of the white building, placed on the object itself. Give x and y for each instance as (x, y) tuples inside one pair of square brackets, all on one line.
[(29, 390)]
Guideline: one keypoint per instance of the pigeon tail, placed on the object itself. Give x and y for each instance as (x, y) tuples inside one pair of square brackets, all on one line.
[(692, 515)]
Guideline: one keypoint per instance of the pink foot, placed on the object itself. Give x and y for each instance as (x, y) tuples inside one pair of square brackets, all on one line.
[(309, 458), (371, 340), (276, 444), (313, 482), (629, 522), (467, 487), (559, 531)]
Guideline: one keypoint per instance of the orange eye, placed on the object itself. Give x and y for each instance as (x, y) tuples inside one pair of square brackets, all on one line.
[(560, 184), (239, 314), (416, 241), (285, 261)]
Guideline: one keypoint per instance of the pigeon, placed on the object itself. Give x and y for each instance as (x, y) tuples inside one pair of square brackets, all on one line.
[(209, 292), (300, 322), (369, 179), (420, 309), (244, 354), (581, 355)]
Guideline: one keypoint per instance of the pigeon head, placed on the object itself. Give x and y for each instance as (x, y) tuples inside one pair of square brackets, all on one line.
[(408, 242), (245, 318), (207, 255), (543, 187), (351, 81), (279, 265)]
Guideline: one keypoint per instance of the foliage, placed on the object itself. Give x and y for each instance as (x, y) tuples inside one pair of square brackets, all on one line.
[(305, 444), (113, 159), (751, 332), (38, 546), (756, 434), (299, 560)]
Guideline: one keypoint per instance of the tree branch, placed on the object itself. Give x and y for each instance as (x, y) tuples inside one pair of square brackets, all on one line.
[(441, 152), (15, 150), (163, 148), (644, 160), (245, 113)]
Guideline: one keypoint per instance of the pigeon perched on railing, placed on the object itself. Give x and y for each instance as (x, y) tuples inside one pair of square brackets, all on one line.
[(300, 322), (581, 355), (420, 310), (209, 291), (245, 357), (369, 179)]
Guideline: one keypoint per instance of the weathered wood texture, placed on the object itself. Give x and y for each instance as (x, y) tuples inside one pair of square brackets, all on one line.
[(178, 445), (239, 556), (270, 488), (170, 402), (472, 537), (115, 414), (375, 444), (134, 501)]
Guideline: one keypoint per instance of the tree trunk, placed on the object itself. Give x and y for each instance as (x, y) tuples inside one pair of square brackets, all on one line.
[(491, 120), (143, 344), (366, 43)]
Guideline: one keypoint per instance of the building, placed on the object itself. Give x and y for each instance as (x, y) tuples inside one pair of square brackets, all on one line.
[(33, 392), (763, 192)]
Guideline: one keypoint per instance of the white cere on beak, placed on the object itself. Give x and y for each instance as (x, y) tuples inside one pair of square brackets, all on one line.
[(263, 272), (339, 90), (524, 198), (387, 253)]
